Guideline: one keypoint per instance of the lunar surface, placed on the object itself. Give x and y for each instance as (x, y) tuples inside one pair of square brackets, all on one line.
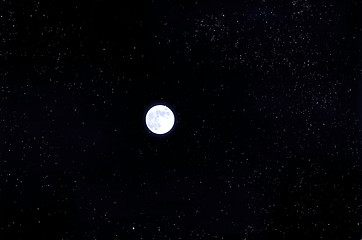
[(160, 119)]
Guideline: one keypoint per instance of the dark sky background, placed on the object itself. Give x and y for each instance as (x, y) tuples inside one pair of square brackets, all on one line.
[(266, 97)]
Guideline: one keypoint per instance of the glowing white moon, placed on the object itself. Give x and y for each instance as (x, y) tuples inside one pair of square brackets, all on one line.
[(160, 119)]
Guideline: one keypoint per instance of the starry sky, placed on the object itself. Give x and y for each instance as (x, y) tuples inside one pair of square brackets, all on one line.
[(266, 96)]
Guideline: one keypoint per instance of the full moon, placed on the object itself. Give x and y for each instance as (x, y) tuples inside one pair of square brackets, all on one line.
[(160, 119)]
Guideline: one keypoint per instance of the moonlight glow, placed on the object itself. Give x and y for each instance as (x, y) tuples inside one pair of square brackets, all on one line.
[(160, 119)]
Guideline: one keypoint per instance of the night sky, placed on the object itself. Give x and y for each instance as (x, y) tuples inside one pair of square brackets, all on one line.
[(266, 96)]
